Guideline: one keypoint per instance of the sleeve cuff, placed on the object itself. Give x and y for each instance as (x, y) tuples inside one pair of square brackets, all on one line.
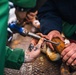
[(14, 58)]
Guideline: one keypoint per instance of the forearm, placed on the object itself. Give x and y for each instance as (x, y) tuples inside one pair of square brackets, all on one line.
[(48, 25), (49, 18)]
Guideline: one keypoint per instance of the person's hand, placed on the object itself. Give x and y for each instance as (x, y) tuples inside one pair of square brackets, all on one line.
[(53, 34), (33, 50), (25, 17), (20, 17), (69, 54), (31, 16)]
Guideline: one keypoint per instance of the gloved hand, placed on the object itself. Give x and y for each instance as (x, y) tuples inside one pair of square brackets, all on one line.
[(33, 50)]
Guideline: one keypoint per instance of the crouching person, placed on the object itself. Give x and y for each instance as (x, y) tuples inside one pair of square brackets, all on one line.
[(9, 57)]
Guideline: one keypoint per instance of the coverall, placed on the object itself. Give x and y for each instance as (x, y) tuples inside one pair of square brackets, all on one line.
[(8, 57)]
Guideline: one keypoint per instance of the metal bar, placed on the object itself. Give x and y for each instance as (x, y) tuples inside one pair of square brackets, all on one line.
[(38, 37)]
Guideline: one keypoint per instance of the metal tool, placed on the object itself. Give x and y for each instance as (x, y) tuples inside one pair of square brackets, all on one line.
[(18, 29), (38, 37)]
